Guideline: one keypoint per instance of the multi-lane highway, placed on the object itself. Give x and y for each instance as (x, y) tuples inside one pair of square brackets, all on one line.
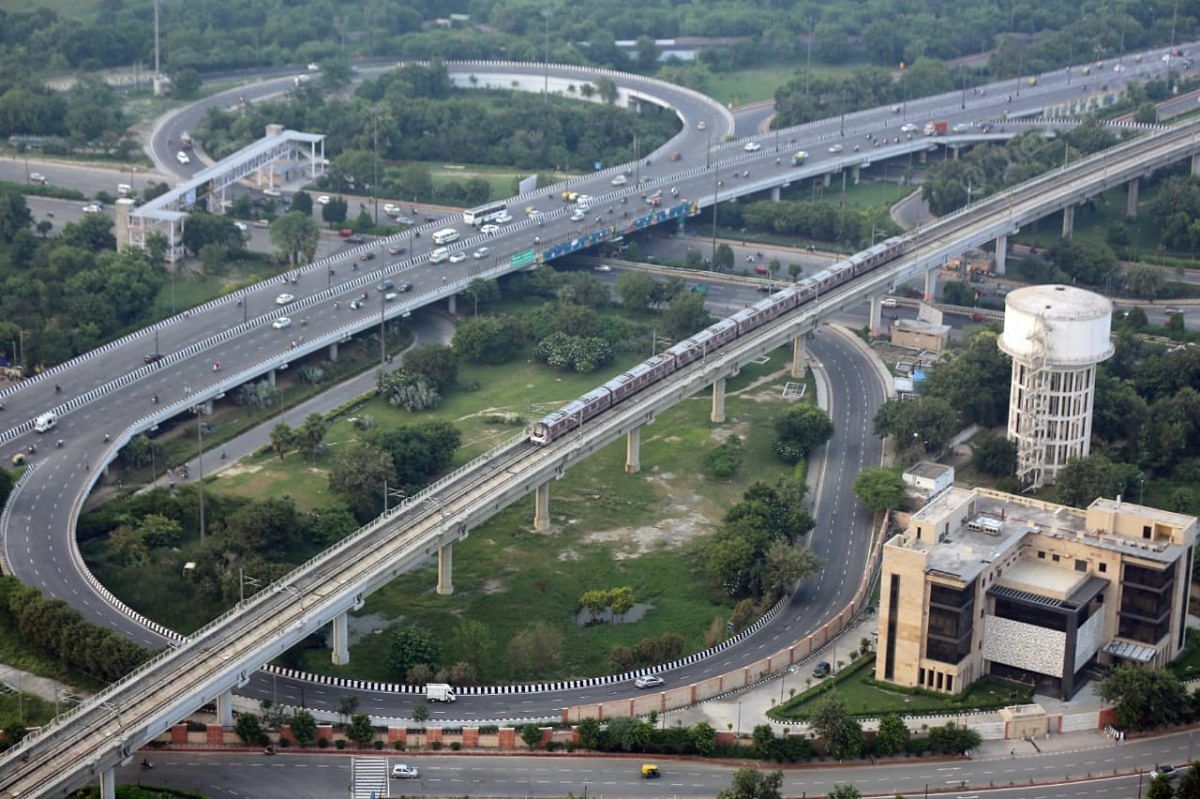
[(1031, 775), (48, 503)]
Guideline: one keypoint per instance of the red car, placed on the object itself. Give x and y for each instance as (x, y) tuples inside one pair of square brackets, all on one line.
[(978, 317), (345, 233)]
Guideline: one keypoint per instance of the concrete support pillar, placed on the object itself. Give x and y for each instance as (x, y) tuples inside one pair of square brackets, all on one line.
[(1131, 199), (108, 784), (206, 407), (271, 378), (799, 356), (855, 174), (340, 651), (1001, 254), (1196, 164), (955, 150), (828, 178), (923, 157), (718, 400), (876, 323), (452, 304), (445, 585), (541, 507), (930, 285), (225, 710), (633, 451), (333, 352), (775, 194), (1068, 221)]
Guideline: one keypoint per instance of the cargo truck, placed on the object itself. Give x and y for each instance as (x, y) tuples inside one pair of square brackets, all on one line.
[(185, 141), (439, 692), (937, 127)]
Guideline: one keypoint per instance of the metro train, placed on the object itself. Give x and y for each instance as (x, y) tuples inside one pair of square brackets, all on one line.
[(576, 413)]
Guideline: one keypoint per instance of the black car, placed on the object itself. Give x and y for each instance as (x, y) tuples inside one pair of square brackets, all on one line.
[(395, 250), (366, 256), (356, 239), (823, 669), (405, 287), (153, 357), (386, 285)]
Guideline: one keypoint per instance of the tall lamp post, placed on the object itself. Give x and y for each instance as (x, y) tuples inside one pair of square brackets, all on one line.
[(200, 466)]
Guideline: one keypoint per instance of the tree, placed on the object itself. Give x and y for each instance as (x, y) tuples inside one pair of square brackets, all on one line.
[(360, 730), (881, 489), (283, 438), (531, 734), (534, 650), (472, 641), (647, 53), (846, 791), (607, 90), (412, 645), (1161, 788), (1144, 280), (994, 455), (800, 430), (685, 315), (723, 461), (621, 600), (312, 433), (304, 727), (203, 229), (787, 565), (750, 783), (294, 236), (185, 82), (723, 258), (951, 739), (926, 424), (420, 713), (841, 732), (249, 730), (1189, 783), (488, 339), (436, 363), (636, 290), (594, 601), (481, 291), (704, 738), (956, 292), (358, 474), (302, 203), (1084, 479), (1144, 698), (404, 388), (334, 212), (892, 736)]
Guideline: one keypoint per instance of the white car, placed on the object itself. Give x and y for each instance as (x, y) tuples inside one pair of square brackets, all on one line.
[(836, 148), (504, 218), (91, 208), (457, 257), (1118, 67), (242, 226), (38, 177), (701, 125), (314, 67), (391, 208), (648, 681), (960, 127), (489, 229), (281, 323), (603, 268), (272, 193), (182, 157), (284, 299), (261, 223), (401, 771), (752, 147), (908, 127), (578, 215), (619, 180), (323, 199), (482, 252), (888, 302)]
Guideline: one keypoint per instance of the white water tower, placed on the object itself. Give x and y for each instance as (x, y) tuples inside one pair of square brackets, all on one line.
[(1056, 336)]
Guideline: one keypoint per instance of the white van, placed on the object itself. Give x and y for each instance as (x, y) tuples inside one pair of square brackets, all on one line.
[(439, 255), (124, 189), (45, 423), (445, 236)]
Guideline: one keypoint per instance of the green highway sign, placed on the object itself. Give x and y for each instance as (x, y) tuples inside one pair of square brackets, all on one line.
[(522, 258)]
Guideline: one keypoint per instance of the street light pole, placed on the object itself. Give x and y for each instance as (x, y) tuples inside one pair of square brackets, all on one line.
[(200, 469), (382, 337), (716, 201), (375, 168)]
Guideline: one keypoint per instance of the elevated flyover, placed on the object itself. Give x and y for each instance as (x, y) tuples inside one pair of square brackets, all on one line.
[(108, 729)]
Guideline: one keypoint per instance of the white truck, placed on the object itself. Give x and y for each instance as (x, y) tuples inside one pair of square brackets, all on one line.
[(45, 423), (439, 692)]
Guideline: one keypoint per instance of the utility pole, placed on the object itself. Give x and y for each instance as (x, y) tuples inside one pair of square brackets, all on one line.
[(157, 70), (716, 185), (382, 337), (546, 13), (637, 161), (812, 23), (200, 468), (375, 167)]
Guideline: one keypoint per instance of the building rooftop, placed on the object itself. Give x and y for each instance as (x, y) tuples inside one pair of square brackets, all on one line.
[(1039, 577), (1059, 302), (919, 326), (929, 470), (960, 540)]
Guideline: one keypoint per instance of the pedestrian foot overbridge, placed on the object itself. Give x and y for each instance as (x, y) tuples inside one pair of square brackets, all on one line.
[(108, 729)]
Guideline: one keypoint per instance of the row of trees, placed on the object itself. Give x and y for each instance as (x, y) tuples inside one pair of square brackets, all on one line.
[(812, 219), (61, 634), (618, 601), (417, 656)]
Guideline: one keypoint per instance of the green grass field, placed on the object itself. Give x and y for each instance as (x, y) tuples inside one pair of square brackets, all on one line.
[(745, 86), (609, 528), (864, 699)]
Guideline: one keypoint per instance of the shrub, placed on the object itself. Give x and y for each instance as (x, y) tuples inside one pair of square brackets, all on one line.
[(398, 746), (340, 743), (378, 745), (323, 743), (436, 746), (489, 729), (455, 746)]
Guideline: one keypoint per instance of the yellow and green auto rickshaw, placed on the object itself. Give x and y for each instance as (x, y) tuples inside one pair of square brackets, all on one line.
[(650, 771)]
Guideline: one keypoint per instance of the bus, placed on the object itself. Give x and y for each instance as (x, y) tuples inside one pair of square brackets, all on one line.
[(484, 213), (445, 236)]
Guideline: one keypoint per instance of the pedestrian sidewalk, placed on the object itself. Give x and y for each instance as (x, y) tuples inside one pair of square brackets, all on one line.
[(41, 687)]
